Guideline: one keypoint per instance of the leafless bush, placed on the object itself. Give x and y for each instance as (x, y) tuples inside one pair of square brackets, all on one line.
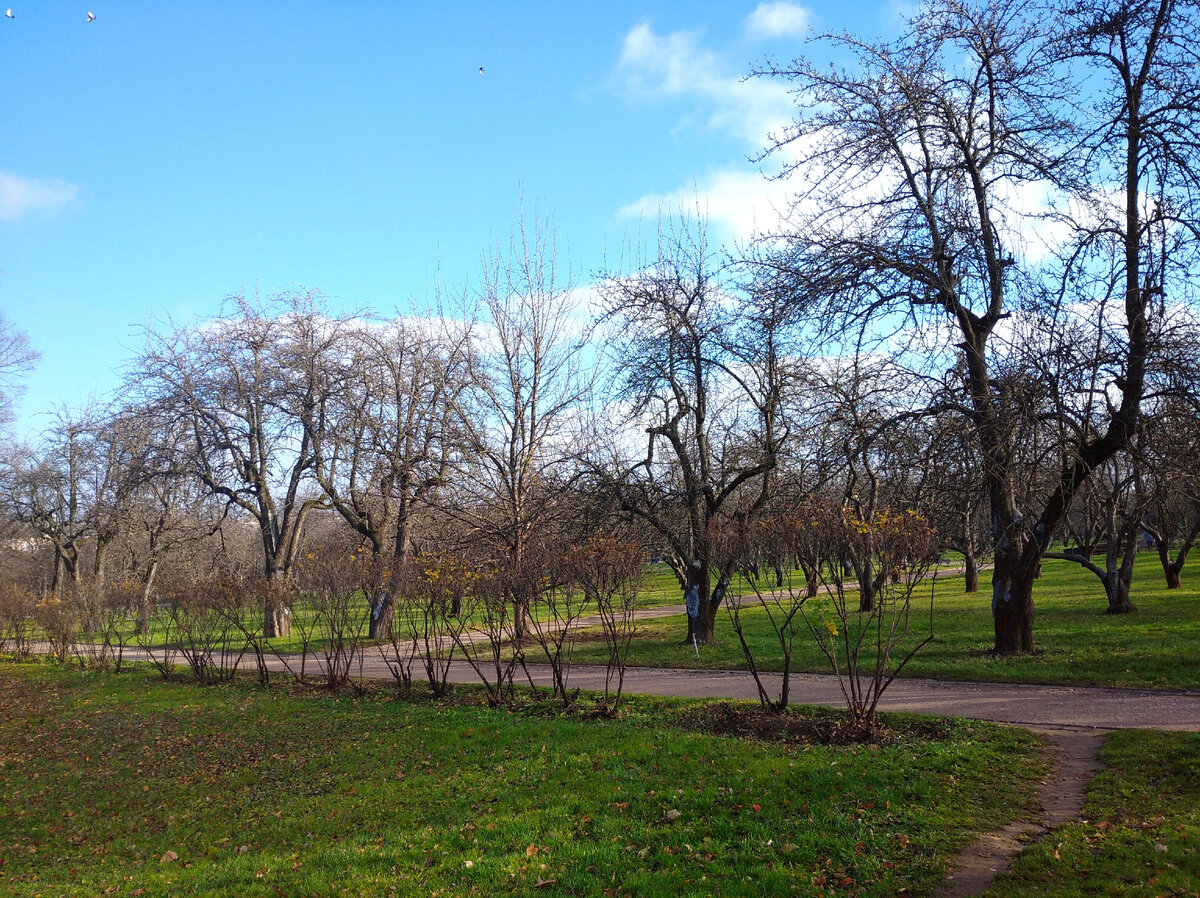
[(867, 649), (430, 624), (773, 580), (58, 619), (104, 622), (241, 603), (498, 652), (197, 622), (609, 573), (542, 583), (17, 609), (339, 586)]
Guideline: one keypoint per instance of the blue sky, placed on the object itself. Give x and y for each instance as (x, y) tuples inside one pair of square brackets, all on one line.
[(168, 155)]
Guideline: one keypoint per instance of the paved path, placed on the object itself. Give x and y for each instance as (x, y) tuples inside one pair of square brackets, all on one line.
[(1086, 707), (1024, 705)]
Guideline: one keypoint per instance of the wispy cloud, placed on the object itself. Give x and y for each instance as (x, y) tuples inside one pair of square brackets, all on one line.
[(677, 66), (776, 20), (706, 82), (21, 197)]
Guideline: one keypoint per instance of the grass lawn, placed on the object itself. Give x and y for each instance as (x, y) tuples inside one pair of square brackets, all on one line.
[(1077, 642), (1140, 829), (262, 792)]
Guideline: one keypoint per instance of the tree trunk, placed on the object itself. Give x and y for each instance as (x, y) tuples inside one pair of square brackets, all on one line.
[(1117, 589), (812, 583), (866, 586), (1012, 605), (1120, 578), (1171, 568), (145, 605), (971, 564), (277, 617), (383, 610), (383, 605)]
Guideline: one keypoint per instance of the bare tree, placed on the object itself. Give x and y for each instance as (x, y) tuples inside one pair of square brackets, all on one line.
[(52, 489), (1173, 514), (225, 383), (917, 157), (518, 417), (17, 358), (699, 388), (384, 433)]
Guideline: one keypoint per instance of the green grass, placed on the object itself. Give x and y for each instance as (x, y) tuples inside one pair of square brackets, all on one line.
[(1140, 829), (265, 792), (1076, 642)]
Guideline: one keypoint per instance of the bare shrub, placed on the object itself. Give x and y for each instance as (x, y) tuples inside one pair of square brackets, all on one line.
[(498, 650), (430, 624), (105, 622), (609, 573), (241, 603), (867, 649), (556, 604), (771, 558), (58, 618), (338, 586), (197, 622), (17, 609)]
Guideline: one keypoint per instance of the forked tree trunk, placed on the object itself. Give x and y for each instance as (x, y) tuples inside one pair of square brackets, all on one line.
[(1119, 576), (1172, 568)]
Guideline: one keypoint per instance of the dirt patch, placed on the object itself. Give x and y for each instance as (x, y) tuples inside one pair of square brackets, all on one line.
[(813, 726), (1074, 753)]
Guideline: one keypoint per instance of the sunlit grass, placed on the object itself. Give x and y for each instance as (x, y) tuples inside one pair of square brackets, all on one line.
[(264, 792), (1076, 641), (1139, 833)]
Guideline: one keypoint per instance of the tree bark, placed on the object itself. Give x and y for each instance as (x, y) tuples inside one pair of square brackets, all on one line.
[(1012, 605), (277, 617), (971, 564)]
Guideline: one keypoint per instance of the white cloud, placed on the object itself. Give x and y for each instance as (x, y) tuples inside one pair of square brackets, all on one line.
[(776, 20), (20, 196), (675, 66), (741, 203)]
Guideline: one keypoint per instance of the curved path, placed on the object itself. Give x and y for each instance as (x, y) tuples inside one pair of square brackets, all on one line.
[(1023, 705)]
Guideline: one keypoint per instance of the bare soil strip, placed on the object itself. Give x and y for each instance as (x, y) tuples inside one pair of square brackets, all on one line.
[(1061, 795)]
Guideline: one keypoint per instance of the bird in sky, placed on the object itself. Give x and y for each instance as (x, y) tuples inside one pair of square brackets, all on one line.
[(91, 16), (480, 68), (9, 13)]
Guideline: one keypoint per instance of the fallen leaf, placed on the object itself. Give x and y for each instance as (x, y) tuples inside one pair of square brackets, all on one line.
[(673, 815), (531, 851), (168, 857)]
